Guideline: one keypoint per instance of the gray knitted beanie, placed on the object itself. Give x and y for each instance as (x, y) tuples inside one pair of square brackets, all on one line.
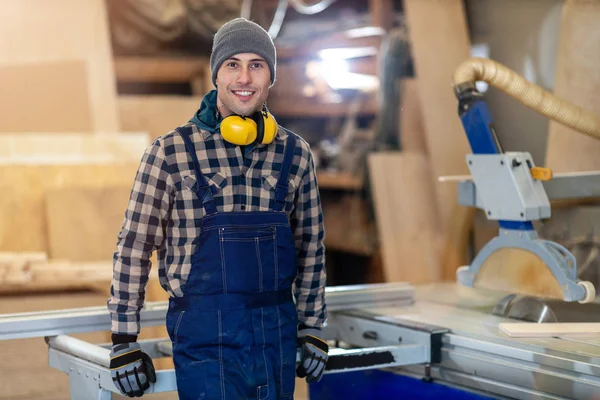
[(241, 36)]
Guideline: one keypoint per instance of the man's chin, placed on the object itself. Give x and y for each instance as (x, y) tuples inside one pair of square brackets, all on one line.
[(246, 112)]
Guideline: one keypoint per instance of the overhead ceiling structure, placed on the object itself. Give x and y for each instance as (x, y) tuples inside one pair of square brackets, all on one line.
[(151, 26), (144, 27)]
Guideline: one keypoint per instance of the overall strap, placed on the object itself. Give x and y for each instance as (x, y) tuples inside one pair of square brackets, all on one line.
[(202, 188), (281, 189)]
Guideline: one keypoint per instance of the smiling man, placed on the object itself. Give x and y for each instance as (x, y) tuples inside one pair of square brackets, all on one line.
[(230, 203)]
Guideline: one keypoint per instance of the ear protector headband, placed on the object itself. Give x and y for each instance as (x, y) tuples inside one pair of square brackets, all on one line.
[(261, 127)]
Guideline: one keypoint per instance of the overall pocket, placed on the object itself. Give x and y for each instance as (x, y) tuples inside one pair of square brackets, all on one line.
[(248, 255)]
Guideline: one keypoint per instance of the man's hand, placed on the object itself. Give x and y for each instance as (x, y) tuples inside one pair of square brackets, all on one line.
[(313, 355), (132, 370)]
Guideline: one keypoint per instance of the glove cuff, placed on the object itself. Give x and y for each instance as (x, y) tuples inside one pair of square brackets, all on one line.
[(304, 330), (119, 338)]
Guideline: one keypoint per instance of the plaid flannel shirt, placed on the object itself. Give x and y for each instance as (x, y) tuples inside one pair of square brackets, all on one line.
[(164, 214)]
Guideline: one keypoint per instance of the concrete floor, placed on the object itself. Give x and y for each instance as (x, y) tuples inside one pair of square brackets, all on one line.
[(24, 370)]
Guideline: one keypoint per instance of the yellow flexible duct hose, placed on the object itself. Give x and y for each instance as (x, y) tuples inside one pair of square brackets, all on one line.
[(531, 95)]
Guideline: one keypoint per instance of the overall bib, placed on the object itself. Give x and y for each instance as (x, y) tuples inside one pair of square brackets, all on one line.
[(234, 330)]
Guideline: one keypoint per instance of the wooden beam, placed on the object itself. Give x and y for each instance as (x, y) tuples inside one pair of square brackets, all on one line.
[(439, 43), (382, 13), (160, 69)]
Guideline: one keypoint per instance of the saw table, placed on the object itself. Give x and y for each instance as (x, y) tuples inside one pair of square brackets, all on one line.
[(423, 342)]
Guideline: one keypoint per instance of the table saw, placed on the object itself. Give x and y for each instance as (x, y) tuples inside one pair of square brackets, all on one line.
[(388, 340)]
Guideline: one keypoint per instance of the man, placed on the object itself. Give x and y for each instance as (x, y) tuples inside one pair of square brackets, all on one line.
[(230, 202)]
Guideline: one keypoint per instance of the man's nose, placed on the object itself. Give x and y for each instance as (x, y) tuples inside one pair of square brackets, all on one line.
[(244, 76)]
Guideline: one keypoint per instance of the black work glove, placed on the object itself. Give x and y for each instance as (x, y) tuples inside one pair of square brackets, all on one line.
[(131, 369), (313, 354)]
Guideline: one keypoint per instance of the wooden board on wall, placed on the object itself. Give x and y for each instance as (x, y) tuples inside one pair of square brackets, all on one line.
[(41, 31), (406, 216), (156, 114), (577, 80), (83, 223), (45, 96), (24, 187), (439, 43)]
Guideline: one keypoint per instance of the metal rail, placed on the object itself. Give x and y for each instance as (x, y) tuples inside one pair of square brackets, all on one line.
[(94, 319)]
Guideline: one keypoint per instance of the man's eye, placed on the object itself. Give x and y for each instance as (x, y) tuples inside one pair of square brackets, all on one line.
[(232, 65), (257, 65)]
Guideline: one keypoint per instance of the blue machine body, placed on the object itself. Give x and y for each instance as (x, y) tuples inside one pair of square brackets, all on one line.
[(479, 128), (383, 385)]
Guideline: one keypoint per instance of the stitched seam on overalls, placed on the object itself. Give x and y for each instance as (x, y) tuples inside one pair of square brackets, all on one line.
[(247, 239), (177, 328), (247, 225), (222, 375), (276, 262), (280, 353), (262, 323), (221, 240), (260, 270)]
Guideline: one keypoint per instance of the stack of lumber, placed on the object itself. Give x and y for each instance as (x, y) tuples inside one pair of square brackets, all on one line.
[(32, 271), (70, 206), (66, 167)]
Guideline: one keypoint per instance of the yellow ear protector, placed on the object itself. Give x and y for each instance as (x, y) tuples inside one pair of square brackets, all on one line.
[(261, 127)]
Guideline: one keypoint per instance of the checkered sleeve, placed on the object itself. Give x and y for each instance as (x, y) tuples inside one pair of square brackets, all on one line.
[(309, 233), (142, 232)]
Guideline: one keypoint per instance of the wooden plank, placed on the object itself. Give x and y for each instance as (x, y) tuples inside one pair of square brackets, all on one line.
[(577, 80), (41, 31), (39, 109), (412, 130), (83, 223), (157, 115), (405, 210), (23, 224), (47, 275), (550, 329), (71, 148), (439, 43), (159, 69)]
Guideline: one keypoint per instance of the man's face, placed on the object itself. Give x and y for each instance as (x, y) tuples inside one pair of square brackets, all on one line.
[(242, 84)]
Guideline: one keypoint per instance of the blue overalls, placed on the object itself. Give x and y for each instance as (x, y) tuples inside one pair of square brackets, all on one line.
[(234, 330)]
